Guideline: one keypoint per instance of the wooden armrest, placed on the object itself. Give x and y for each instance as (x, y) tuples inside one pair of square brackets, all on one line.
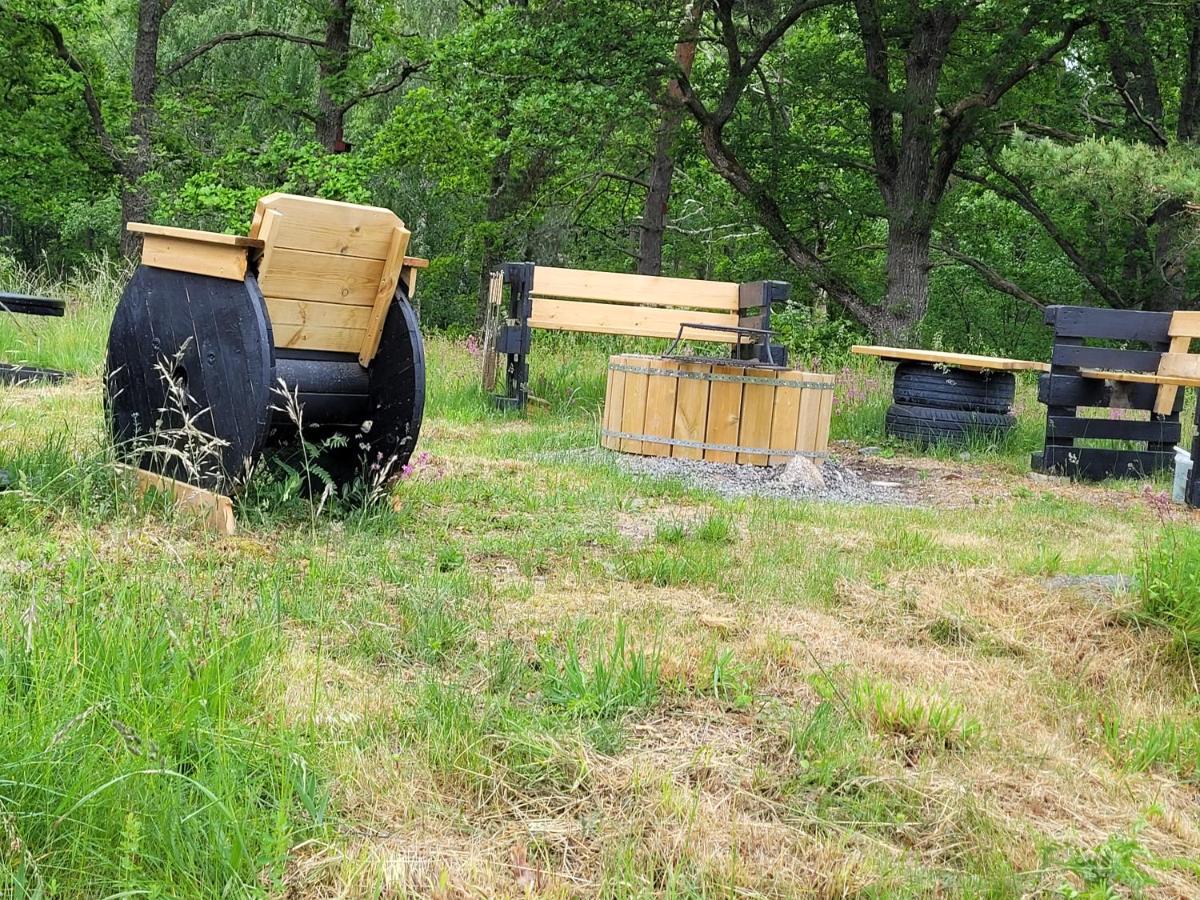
[(191, 234), (415, 262)]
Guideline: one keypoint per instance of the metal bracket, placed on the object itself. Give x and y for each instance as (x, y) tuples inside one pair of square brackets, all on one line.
[(769, 354)]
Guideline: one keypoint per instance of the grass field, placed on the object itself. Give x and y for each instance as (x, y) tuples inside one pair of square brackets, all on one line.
[(530, 673)]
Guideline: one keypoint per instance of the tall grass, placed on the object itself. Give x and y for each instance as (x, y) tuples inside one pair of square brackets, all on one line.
[(129, 757), (74, 343), (1170, 583)]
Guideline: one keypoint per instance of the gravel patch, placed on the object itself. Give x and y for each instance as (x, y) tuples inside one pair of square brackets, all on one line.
[(842, 483)]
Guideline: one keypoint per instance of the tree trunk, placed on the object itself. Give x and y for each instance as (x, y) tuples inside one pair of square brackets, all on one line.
[(334, 60), (907, 283), (662, 168), (135, 199)]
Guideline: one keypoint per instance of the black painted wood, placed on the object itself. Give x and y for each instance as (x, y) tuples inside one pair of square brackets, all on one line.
[(13, 374), (1165, 432), (1066, 389), (329, 376), (1097, 463), (1110, 324), (210, 337), (1105, 358), (32, 306)]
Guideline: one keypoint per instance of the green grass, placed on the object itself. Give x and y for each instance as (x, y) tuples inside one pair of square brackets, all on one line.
[(527, 658)]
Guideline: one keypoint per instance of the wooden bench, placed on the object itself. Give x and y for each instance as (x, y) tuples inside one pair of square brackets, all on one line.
[(327, 270), (1145, 378), (968, 361), (608, 303)]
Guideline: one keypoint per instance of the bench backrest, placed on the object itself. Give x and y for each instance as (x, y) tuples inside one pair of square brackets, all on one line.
[(641, 305), (328, 271)]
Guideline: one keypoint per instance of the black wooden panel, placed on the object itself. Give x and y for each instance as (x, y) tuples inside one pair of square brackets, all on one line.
[(1112, 324), (12, 374), (1095, 464), (317, 408), (1106, 358), (1113, 429), (31, 306), (1074, 390)]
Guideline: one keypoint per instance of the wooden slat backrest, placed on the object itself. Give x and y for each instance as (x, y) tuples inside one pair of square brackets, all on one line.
[(328, 271), (637, 305), (646, 290)]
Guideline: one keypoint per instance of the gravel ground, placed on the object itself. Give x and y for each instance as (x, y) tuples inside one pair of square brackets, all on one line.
[(842, 483)]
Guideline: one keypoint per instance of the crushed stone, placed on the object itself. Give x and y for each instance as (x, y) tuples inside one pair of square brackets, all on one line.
[(842, 483)]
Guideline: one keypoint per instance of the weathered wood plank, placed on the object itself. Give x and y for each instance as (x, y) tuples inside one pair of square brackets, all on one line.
[(215, 510), (691, 410), (601, 318), (724, 414), (955, 360), (613, 287)]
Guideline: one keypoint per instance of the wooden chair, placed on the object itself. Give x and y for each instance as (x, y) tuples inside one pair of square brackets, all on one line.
[(1146, 378), (557, 299), (329, 271)]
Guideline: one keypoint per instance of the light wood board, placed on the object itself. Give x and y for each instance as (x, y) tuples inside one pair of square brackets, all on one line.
[(724, 414), (954, 360), (570, 315), (661, 392), (215, 510), (691, 410), (758, 410), (195, 257), (612, 287)]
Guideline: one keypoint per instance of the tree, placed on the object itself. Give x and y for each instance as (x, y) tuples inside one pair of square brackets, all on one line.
[(924, 106)]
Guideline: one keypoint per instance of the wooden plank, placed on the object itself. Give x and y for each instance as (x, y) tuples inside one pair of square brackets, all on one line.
[(1097, 463), (384, 294), (1141, 377), (1110, 324), (786, 421), (196, 257), (661, 394), (315, 337), (214, 510), (826, 415), (691, 410), (191, 234), (1077, 390), (415, 262), (758, 410), (1113, 429), (724, 414), (327, 226), (310, 312), (301, 275), (614, 403), (1105, 358), (955, 360), (808, 421), (600, 318), (611, 287), (633, 408)]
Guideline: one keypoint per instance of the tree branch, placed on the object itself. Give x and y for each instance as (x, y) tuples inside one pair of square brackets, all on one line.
[(1023, 197), (63, 52), (407, 72), (879, 106), (990, 275), (231, 36)]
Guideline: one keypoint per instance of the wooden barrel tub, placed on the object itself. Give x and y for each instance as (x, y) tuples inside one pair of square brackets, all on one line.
[(731, 412)]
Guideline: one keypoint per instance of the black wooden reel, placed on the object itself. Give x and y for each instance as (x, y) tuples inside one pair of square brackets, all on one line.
[(196, 390)]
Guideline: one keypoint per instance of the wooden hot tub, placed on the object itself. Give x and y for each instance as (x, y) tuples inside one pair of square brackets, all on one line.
[(735, 412)]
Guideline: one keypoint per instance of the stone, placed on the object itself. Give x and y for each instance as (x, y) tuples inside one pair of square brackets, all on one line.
[(869, 451), (801, 472)]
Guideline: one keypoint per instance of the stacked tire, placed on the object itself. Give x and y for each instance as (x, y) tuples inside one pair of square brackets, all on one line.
[(935, 405)]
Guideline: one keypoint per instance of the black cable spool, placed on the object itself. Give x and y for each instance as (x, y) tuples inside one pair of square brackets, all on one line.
[(196, 390)]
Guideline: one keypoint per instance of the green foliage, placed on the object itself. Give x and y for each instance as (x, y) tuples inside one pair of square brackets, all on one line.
[(1114, 869), (1170, 584)]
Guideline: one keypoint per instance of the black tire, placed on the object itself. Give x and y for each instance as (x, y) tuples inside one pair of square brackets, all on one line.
[(928, 425), (921, 384)]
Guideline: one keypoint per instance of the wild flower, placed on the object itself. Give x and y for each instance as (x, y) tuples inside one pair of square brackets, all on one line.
[(474, 345)]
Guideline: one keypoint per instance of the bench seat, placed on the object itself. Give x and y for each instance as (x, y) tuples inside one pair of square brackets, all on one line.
[(969, 361)]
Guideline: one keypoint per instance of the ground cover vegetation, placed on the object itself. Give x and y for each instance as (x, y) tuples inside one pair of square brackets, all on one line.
[(527, 671)]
